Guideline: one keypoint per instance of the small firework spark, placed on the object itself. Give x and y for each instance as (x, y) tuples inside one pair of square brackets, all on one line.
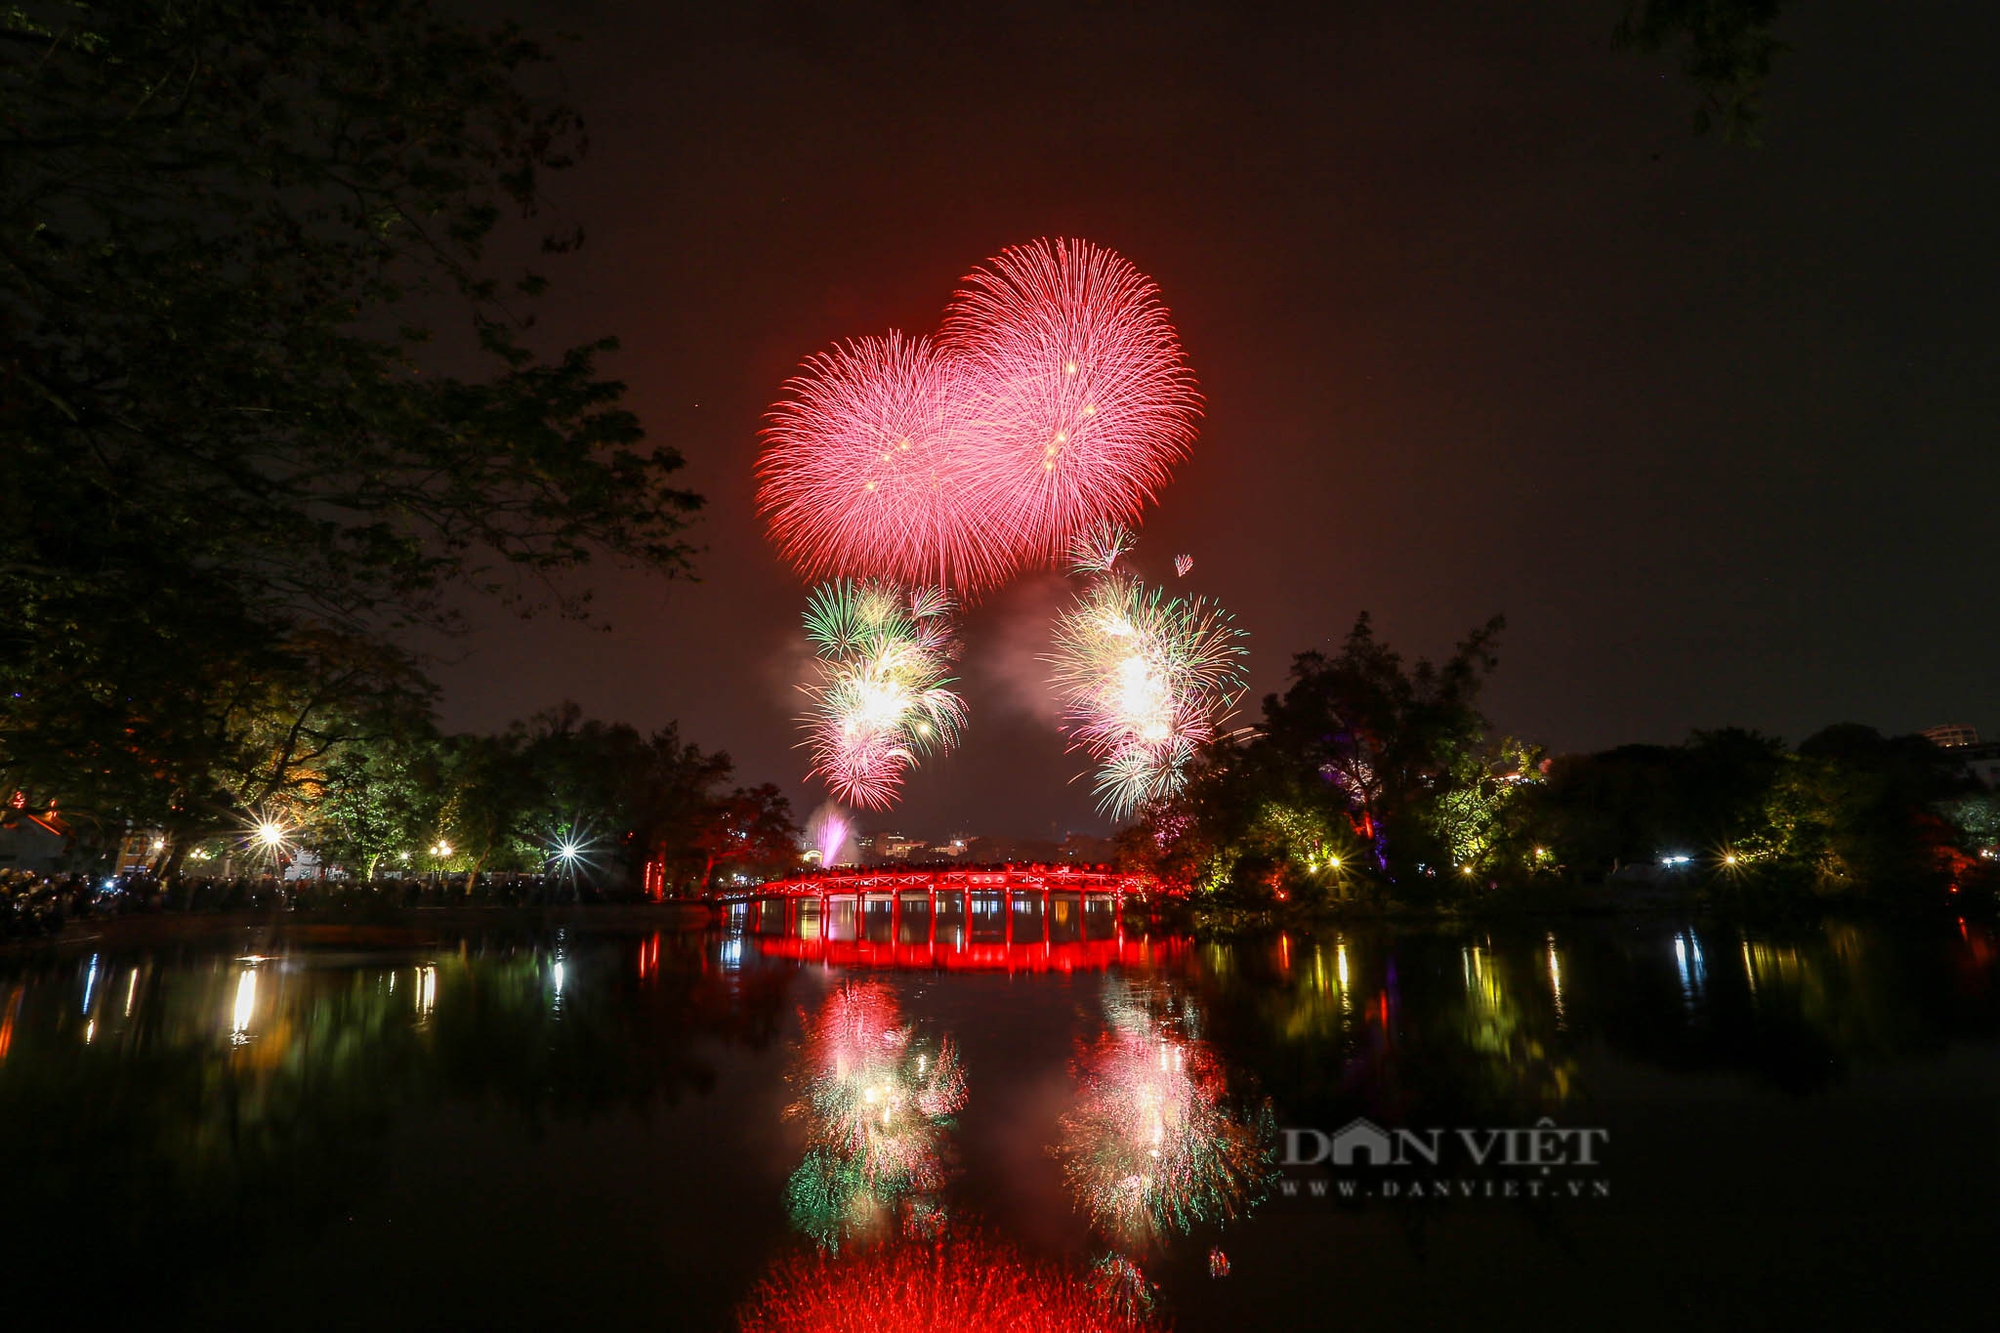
[(1096, 551), (1123, 1287), (881, 701), (1145, 680), (876, 1100), (1152, 1148), (1182, 564)]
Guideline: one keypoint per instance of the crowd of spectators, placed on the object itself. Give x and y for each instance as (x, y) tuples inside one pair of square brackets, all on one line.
[(33, 905)]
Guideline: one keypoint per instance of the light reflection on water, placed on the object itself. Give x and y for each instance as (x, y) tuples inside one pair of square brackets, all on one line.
[(200, 1101)]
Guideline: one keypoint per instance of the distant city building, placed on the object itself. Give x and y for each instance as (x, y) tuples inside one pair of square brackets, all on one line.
[(1088, 849), (1979, 761), (1952, 735)]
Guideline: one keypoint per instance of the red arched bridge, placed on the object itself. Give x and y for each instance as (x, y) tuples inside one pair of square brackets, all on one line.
[(1013, 916)]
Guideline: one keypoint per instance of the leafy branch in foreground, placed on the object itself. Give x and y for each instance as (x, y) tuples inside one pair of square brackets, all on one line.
[(264, 384)]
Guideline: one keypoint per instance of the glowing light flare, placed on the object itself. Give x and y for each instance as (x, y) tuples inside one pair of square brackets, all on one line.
[(268, 837), (245, 1006)]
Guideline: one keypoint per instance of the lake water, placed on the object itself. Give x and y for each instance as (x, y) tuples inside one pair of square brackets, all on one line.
[(1635, 1123)]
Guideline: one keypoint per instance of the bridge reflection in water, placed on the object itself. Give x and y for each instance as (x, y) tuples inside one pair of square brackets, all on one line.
[(1034, 918)]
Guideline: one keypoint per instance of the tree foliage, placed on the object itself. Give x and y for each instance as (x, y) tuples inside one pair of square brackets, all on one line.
[(1726, 47), (1849, 810), (266, 386), (419, 802), (1366, 769), (1372, 777)]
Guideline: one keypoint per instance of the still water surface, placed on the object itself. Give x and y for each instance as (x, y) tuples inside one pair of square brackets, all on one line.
[(568, 1127)]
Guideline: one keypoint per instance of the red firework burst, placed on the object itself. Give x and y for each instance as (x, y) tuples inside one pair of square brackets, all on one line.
[(1084, 400), (870, 467), (967, 1284), (1057, 399)]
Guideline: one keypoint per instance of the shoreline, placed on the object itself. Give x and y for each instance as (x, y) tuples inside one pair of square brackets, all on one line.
[(1222, 920), (417, 927), (399, 928)]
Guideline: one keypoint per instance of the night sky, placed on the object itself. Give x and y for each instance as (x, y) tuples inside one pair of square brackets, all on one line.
[(1481, 325)]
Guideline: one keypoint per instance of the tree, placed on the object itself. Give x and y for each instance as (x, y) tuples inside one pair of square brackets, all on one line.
[(1707, 798), (1385, 742), (485, 818), (1363, 770), (1848, 811), (750, 828), (686, 817), (382, 800), (1865, 807), (265, 393), (1727, 50)]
